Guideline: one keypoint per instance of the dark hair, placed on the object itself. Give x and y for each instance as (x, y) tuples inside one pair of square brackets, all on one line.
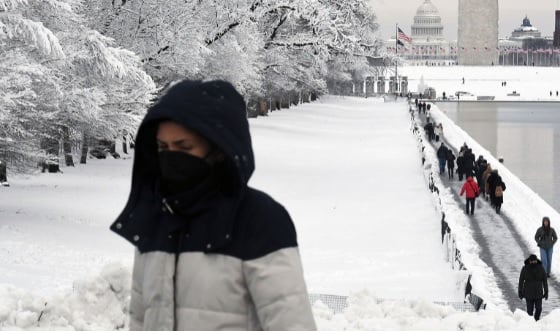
[(546, 228)]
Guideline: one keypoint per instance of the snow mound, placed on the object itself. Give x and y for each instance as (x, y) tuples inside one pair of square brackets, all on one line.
[(96, 304)]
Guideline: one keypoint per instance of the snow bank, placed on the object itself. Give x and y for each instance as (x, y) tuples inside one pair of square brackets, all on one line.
[(101, 304)]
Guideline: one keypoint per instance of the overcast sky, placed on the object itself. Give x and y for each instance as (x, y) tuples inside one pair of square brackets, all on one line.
[(512, 12)]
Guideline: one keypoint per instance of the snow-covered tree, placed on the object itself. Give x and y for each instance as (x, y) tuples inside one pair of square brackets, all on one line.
[(267, 48), (61, 79)]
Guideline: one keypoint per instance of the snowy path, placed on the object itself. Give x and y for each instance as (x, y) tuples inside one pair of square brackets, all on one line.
[(501, 246)]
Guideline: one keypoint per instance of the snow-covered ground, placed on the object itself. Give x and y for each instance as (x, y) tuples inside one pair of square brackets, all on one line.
[(347, 169), (531, 83)]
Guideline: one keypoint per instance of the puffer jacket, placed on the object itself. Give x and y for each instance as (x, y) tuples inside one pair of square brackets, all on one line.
[(532, 281), (470, 188), (227, 260), (546, 239)]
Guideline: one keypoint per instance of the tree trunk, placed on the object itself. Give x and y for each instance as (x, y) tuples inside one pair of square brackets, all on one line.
[(113, 150), (51, 146), (124, 143), (294, 99), (284, 102), (67, 146), (85, 148)]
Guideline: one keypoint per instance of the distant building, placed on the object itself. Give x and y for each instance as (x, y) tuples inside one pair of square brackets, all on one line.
[(526, 46), (478, 32), (428, 46), (478, 39), (526, 30)]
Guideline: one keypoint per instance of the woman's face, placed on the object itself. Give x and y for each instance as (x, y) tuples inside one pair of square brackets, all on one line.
[(546, 223), (174, 137)]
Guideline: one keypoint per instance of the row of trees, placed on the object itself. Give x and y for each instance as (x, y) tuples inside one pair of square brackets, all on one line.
[(269, 49), (74, 71)]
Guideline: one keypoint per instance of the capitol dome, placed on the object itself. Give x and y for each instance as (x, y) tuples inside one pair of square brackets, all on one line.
[(427, 22), (427, 9)]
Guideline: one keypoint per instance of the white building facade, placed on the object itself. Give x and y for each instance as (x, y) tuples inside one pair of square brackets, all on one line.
[(428, 46), (478, 36)]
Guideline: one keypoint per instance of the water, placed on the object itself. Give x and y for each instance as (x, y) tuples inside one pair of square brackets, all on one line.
[(525, 134)]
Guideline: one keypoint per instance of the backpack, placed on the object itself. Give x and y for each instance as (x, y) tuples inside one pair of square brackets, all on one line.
[(499, 191)]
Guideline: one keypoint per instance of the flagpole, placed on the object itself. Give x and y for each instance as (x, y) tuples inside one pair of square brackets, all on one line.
[(397, 57)]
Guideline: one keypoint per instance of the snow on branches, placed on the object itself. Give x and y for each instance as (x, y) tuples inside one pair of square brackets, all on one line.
[(60, 78)]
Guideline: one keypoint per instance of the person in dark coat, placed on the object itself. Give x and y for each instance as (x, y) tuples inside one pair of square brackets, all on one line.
[(492, 180), (450, 163), (471, 191), (533, 286), (442, 157), (460, 169), (429, 129), (481, 166), (468, 163), (211, 252), (499, 194), (546, 238)]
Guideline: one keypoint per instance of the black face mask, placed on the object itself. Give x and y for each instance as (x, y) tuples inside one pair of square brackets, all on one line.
[(180, 172)]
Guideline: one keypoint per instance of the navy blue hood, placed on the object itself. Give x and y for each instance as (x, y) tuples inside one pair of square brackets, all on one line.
[(213, 109)]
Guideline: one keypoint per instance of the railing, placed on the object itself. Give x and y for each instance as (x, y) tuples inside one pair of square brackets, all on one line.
[(447, 237), (338, 303)]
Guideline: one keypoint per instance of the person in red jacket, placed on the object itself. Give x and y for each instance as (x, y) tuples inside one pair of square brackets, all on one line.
[(472, 191)]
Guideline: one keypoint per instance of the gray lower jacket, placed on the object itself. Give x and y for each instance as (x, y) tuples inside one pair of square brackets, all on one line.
[(219, 292)]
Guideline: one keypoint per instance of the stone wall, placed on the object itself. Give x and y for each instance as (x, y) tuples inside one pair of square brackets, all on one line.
[(478, 32)]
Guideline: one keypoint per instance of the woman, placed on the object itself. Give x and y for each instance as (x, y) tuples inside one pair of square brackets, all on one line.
[(546, 238), (211, 253), (471, 191)]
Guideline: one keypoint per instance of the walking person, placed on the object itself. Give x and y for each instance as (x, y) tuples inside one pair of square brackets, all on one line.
[(437, 133), (493, 180), (499, 194), (450, 163), (471, 191), (484, 181), (546, 238), (442, 157), (480, 169), (468, 162), (533, 286), (211, 252), (459, 161), (429, 129)]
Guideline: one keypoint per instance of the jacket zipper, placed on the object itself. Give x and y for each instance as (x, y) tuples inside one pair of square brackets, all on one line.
[(167, 206), (177, 252)]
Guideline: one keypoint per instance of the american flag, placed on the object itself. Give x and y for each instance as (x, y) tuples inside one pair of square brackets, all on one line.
[(402, 36)]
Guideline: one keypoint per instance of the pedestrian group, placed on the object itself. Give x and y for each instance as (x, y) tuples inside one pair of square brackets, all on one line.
[(482, 180)]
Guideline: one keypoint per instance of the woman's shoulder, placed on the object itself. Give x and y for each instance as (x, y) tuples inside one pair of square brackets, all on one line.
[(267, 224), (260, 203)]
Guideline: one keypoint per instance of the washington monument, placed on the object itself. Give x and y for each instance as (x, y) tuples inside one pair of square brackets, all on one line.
[(478, 32)]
